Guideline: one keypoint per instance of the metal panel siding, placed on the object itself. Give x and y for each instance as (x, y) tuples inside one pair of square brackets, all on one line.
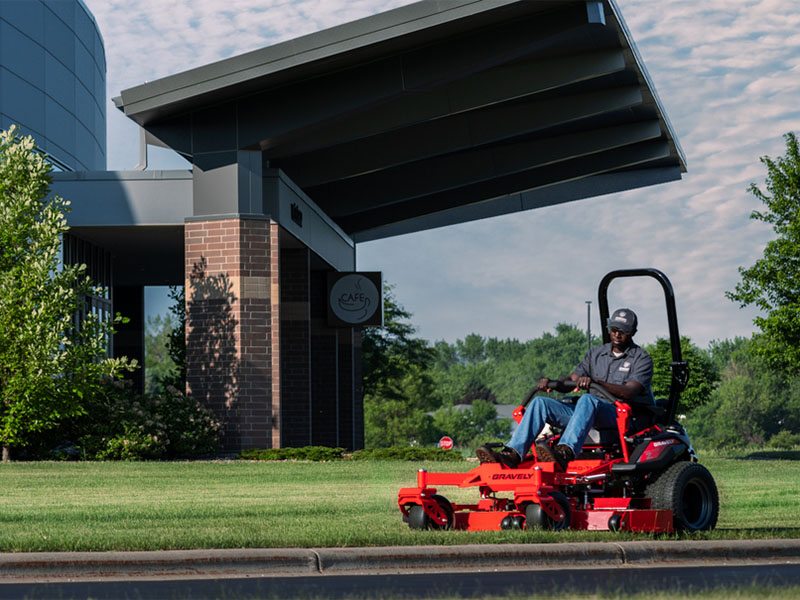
[(60, 38), (84, 67), (21, 101), (59, 82), (26, 16), (49, 79), (21, 55), (59, 126), (84, 28), (127, 198)]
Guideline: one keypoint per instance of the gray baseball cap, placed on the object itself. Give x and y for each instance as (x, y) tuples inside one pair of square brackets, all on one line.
[(623, 319)]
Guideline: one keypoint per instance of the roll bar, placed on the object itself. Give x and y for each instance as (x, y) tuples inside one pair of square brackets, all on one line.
[(679, 368)]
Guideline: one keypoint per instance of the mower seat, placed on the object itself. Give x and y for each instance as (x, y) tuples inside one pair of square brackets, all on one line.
[(644, 416)]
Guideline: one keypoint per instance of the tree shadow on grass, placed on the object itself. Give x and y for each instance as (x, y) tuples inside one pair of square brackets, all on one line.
[(770, 455)]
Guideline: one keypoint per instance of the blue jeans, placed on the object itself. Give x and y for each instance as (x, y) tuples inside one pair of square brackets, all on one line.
[(576, 421)]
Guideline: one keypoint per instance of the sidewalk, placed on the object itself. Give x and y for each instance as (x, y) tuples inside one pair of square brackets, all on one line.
[(60, 566)]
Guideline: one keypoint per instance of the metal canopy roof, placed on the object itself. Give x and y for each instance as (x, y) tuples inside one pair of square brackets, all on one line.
[(431, 114)]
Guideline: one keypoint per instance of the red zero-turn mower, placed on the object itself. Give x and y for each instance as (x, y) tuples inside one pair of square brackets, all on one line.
[(641, 476)]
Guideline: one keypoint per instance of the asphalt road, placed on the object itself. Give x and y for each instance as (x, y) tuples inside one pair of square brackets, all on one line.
[(495, 584)]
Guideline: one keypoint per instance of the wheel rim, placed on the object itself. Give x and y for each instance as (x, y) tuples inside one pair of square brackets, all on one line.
[(696, 503)]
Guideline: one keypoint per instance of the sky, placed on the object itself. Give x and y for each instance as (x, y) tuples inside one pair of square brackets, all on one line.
[(728, 75)]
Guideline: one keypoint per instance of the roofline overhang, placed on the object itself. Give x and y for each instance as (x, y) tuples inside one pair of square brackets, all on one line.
[(308, 55)]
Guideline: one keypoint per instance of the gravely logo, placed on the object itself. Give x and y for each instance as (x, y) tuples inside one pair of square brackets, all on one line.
[(512, 476)]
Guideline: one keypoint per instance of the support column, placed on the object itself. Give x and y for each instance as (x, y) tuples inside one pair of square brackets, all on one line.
[(324, 367), (229, 349), (295, 347)]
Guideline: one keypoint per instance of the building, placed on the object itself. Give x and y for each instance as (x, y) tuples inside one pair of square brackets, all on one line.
[(424, 116)]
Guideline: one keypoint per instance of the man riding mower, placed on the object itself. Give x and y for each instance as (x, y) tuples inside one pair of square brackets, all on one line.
[(620, 461)]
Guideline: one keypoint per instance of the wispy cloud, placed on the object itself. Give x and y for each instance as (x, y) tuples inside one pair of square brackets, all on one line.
[(728, 74)]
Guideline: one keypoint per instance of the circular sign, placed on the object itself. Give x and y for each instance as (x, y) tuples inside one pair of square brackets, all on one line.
[(446, 443), (354, 298)]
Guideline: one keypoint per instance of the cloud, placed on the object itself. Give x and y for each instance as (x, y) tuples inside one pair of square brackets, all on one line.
[(727, 73)]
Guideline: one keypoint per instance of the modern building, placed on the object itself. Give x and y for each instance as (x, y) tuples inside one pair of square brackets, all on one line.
[(424, 116)]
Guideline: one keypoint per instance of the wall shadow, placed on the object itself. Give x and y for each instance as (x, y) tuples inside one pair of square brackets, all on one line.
[(212, 360)]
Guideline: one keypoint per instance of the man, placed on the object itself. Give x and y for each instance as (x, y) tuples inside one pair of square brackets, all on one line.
[(621, 367)]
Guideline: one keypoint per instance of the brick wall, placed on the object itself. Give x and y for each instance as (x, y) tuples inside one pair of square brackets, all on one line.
[(295, 347), (228, 344), (259, 351)]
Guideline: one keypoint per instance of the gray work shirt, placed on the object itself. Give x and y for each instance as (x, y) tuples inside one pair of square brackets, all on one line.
[(633, 365)]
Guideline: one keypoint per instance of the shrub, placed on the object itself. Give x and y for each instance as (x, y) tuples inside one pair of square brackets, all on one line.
[(407, 453), (168, 425), (313, 453), (323, 453), (784, 440), (122, 425)]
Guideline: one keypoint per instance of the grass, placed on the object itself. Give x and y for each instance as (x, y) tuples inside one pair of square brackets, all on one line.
[(147, 506)]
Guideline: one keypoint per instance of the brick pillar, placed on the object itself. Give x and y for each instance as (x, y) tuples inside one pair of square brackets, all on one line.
[(231, 273), (324, 367), (295, 347)]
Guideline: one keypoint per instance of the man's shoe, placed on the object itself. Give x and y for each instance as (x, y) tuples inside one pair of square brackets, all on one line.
[(505, 456), (561, 455)]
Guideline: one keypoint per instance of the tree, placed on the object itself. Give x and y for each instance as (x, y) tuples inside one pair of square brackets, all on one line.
[(703, 373), (751, 405), (176, 344), (49, 361), (398, 389), (472, 349), (158, 364), (388, 352), (472, 426), (773, 283)]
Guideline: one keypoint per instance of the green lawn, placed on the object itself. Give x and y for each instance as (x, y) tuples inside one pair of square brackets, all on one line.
[(116, 506)]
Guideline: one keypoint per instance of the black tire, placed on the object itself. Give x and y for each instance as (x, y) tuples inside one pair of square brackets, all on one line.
[(419, 519), (689, 491), (536, 518)]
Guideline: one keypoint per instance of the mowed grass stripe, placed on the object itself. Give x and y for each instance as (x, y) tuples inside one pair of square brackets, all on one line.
[(147, 506)]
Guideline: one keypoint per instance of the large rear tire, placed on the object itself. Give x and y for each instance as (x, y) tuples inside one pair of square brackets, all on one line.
[(689, 491)]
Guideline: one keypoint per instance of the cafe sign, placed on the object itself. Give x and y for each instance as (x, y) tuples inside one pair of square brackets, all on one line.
[(355, 299)]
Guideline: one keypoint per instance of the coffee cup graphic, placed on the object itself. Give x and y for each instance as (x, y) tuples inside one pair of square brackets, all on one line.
[(354, 298)]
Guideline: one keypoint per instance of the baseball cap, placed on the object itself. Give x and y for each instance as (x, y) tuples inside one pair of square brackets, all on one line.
[(623, 319)]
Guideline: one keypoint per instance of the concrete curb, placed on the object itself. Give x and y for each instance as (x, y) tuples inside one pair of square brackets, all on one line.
[(332, 561)]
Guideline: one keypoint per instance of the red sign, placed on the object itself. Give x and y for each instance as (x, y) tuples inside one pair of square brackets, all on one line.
[(446, 443)]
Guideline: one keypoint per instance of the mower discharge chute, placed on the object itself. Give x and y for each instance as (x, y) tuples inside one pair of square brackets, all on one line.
[(641, 476)]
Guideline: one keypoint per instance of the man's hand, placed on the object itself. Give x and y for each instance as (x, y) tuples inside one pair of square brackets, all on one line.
[(542, 385), (583, 382)]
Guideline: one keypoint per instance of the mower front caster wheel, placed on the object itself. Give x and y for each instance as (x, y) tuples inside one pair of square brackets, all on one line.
[(419, 519), (536, 518)]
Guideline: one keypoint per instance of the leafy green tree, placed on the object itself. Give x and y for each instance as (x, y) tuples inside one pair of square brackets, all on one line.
[(398, 389), (176, 344), (388, 352), (49, 362), (472, 349), (703, 373), (472, 426), (773, 283), (722, 352), (158, 364), (751, 405)]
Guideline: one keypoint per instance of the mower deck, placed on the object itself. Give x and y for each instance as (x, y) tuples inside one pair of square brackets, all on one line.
[(505, 492)]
